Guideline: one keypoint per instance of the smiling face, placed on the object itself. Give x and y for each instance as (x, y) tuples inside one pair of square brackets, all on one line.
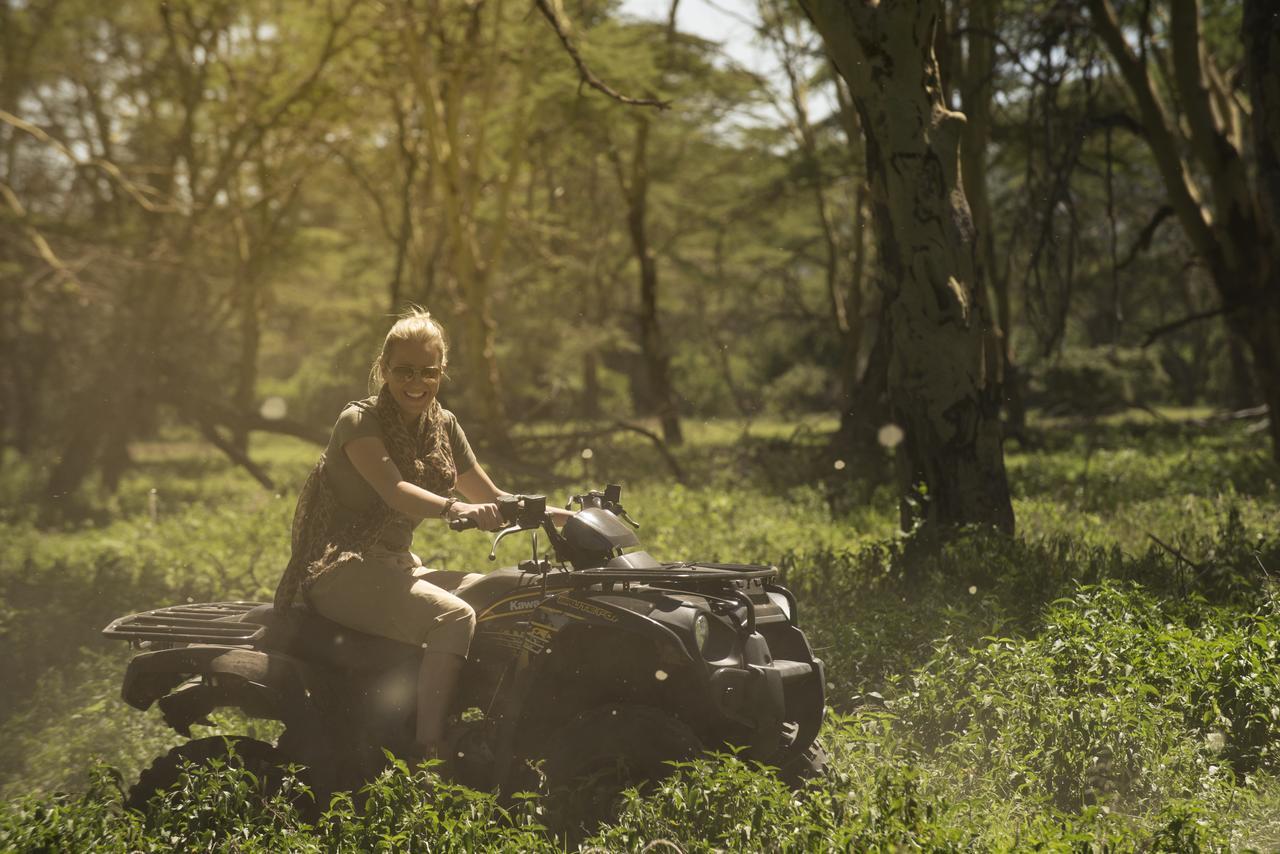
[(413, 394)]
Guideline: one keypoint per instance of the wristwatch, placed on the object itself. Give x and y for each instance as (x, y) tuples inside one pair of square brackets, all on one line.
[(448, 505)]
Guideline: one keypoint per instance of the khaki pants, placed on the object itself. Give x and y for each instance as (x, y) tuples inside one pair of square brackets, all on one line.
[(385, 594)]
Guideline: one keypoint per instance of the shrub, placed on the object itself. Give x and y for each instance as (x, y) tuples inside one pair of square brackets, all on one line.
[(1098, 380)]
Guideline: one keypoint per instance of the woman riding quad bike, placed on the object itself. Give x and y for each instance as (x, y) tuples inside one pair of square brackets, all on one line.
[(593, 663), (603, 662)]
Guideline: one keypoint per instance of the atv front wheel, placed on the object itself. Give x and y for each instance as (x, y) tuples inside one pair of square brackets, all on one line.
[(265, 762), (591, 760), (811, 763)]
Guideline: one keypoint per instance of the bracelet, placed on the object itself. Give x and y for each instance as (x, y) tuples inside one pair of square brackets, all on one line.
[(448, 505)]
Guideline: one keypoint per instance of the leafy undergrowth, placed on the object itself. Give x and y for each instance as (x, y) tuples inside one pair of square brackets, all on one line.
[(1110, 679), (879, 793)]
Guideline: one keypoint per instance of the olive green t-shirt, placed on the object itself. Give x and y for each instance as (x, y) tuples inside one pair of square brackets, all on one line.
[(353, 493)]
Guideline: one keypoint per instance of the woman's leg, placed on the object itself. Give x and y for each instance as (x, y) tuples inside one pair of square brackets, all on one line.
[(443, 655), (437, 681), (381, 596)]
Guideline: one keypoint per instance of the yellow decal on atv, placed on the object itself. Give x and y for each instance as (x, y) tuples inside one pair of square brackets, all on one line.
[(537, 638), (587, 607), (514, 604)]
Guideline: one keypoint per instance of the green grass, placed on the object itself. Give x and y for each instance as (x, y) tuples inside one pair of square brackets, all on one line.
[(1082, 685)]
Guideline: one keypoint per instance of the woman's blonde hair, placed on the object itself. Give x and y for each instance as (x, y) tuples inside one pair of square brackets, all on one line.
[(416, 324)]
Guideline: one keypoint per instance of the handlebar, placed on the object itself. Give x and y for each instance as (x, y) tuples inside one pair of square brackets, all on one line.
[(513, 509), (610, 499), (529, 513), (519, 512)]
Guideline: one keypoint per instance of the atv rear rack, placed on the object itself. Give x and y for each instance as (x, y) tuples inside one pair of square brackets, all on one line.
[(209, 622)]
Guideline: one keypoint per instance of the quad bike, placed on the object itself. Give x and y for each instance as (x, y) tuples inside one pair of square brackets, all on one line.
[(593, 666)]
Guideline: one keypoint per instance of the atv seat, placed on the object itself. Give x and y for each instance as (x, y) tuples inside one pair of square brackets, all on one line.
[(304, 634)]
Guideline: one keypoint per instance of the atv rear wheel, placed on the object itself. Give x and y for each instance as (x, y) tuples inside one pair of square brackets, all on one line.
[(259, 758), (592, 759)]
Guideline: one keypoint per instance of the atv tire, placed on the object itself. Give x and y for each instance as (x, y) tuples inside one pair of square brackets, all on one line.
[(259, 758), (591, 760), (809, 764)]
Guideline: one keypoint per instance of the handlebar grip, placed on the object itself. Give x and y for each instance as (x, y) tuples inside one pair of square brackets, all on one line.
[(461, 524)]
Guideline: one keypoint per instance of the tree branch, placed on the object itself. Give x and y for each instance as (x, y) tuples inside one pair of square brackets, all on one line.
[(1196, 565), (1165, 329), (43, 249), (625, 426), (236, 455), (1143, 241), (204, 411), (1161, 134), (585, 73), (136, 192)]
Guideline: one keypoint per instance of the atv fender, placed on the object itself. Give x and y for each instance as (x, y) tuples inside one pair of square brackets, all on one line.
[(268, 683), (552, 624)]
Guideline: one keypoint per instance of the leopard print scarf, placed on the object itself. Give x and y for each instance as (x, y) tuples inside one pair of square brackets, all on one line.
[(424, 457)]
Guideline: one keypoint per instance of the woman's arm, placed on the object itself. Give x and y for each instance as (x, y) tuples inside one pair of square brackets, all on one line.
[(475, 485), (369, 456)]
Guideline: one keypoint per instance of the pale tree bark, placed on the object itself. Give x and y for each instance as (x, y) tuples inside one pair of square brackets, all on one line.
[(460, 158), (951, 464), (1235, 226)]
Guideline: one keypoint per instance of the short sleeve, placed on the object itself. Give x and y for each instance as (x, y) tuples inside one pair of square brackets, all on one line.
[(355, 422), (464, 459)]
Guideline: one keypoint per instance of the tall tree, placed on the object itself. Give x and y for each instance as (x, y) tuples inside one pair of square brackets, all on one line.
[(975, 76), (632, 171), (944, 391), (454, 60), (1231, 218), (165, 160)]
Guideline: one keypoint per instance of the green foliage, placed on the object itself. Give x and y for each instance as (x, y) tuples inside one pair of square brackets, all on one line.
[(1080, 686), (223, 807), (803, 387)]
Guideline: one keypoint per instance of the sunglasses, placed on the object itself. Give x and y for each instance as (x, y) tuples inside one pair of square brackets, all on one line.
[(405, 373)]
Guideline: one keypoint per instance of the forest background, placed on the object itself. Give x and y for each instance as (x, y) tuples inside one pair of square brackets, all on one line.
[(211, 210)]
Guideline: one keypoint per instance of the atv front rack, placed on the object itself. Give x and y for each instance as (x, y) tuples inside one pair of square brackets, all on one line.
[(210, 622), (667, 573)]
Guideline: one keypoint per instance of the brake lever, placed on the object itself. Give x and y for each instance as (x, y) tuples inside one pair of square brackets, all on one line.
[(493, 552)]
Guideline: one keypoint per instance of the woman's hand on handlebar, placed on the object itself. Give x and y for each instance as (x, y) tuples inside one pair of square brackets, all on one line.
[(485, 516)]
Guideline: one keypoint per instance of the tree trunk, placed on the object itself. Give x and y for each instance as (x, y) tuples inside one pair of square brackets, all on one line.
[(652, 346), (589, 407), (951, 463), (844, 292), (976, 78), (1232, 222), (458, 157), (246, 288), (1241, 392), (868, 410), (1259, 324)]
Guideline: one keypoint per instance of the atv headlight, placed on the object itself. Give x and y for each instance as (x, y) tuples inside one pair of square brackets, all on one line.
[(701, 630)]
